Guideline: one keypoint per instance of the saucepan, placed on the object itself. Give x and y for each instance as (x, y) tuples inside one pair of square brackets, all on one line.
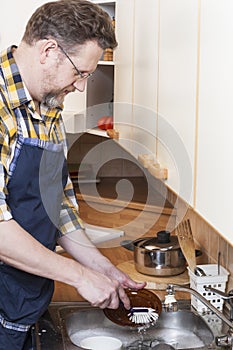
[(158, 256)]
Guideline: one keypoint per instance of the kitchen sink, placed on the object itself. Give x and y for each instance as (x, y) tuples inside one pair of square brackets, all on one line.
[(66, 324)]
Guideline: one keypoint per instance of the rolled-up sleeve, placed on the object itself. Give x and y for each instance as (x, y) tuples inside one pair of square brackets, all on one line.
[(5, 213)]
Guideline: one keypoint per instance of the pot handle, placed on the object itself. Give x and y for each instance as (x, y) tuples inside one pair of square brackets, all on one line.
[(197, 253), (127, 244)]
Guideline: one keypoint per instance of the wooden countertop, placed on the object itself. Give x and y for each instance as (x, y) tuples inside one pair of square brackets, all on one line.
[(65, 293)]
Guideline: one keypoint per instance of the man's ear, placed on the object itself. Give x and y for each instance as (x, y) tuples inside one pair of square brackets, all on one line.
[(47, 46)]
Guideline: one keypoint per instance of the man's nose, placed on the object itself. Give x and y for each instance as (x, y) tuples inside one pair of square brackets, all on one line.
[(80, 85)]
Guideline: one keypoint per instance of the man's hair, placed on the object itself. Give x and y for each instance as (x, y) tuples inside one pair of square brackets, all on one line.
[(71, 23)]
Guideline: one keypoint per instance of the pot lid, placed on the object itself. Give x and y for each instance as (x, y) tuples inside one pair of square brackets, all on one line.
[(164, 241)]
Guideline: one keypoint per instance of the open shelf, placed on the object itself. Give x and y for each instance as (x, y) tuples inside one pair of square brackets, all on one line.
[(106, 63)]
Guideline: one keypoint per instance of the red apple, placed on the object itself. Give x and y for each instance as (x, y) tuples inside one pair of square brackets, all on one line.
[(105, 122)]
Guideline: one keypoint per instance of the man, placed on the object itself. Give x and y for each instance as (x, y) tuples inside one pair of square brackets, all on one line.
[(60, 49)]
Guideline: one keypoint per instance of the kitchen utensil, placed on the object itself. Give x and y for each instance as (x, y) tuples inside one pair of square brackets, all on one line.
[(160, 255), (101, 342), (199, 272), (185, 237), (219, 255), (143, 315), (138, 298)]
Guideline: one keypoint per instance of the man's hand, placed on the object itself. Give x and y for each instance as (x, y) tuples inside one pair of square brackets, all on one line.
[(124, 280), (101, 283), (101, 291)]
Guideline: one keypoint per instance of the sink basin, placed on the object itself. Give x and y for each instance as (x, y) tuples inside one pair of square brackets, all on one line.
[(64, 325), (183, 329)]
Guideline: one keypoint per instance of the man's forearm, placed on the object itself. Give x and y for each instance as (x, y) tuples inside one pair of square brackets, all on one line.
[(79, 246), (93, 275), (20, 250)]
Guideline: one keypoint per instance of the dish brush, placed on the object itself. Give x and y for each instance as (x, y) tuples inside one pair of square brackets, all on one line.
[(143, 315)]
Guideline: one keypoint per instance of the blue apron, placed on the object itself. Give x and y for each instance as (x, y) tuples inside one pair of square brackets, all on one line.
[(35, 189)]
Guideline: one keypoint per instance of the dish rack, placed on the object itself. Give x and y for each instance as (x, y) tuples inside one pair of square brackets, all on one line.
[(216, 277)]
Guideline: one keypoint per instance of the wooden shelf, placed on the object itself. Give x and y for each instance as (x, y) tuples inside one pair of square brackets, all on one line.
[(106, 63), (104, 2), (98, 132)]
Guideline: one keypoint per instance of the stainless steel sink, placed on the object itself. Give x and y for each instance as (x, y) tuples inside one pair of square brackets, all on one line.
[(71, 323), (182, 329)]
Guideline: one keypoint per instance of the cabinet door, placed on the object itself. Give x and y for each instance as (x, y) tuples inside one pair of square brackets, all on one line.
[(123, 89), (215, 141), (136, 74), (145, 76), (177, 93)]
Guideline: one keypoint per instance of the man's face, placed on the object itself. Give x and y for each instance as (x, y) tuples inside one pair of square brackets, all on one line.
[(64, 78)]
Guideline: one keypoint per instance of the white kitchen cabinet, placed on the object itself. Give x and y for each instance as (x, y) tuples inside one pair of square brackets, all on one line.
[(136, 75), (146, 34), (162, 66), (123, 91), (156, 72), (177, 93), (215, 141), (195, 98)]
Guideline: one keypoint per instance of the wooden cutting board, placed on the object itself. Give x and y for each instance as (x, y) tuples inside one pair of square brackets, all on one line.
[(158, 283)]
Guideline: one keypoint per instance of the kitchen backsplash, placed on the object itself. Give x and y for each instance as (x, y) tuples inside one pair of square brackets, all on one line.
[(105, 156), (207, 239)]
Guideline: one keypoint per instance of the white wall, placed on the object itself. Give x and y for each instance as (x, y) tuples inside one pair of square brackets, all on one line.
[(14, 16)]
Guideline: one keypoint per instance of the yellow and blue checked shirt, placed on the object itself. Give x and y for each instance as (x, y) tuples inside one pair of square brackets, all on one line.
[(47, 126)]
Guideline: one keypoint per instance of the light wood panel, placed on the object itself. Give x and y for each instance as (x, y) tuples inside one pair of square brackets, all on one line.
[(133, 222)]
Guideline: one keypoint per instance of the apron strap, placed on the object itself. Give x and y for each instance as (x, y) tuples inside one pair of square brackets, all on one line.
[(14, 326)]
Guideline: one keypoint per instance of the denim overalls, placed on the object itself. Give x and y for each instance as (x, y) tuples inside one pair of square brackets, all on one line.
[(38, 176)]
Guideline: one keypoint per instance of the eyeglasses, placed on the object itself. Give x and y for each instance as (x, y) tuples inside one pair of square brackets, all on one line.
[(81, 76)]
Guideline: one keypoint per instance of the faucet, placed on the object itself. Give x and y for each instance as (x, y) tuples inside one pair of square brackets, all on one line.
[(170, 304)]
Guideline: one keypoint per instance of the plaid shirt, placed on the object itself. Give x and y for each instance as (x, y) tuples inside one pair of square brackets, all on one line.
[(47, 126)]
